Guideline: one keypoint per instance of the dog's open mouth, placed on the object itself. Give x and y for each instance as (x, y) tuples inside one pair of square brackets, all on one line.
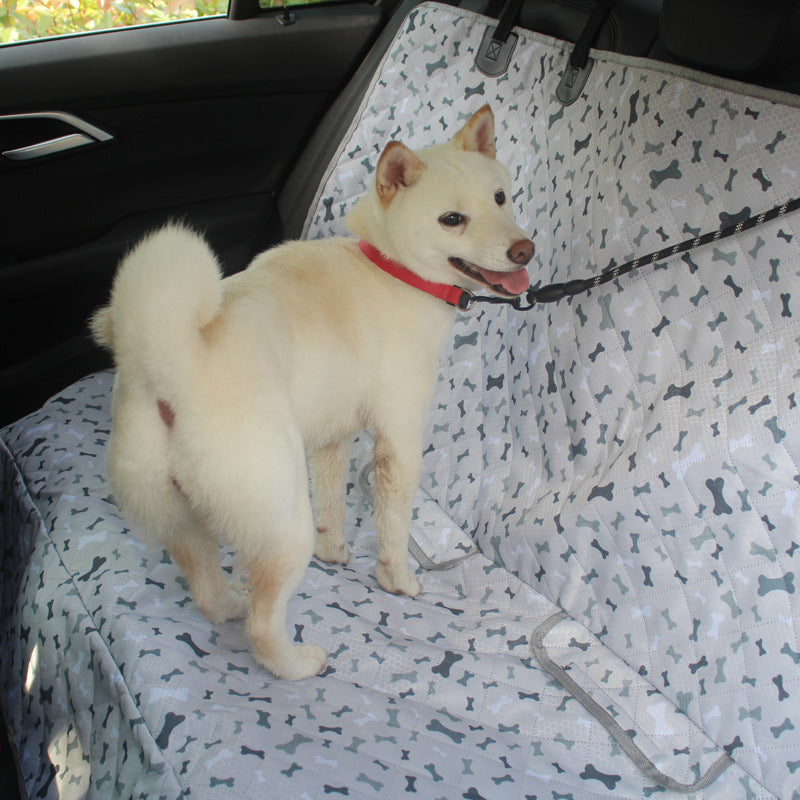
[(509, 284)]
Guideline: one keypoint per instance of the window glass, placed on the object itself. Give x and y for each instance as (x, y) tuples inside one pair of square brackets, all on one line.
[(281, 3), (33, 19)]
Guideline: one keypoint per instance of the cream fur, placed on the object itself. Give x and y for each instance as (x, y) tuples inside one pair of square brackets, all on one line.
[(223, 386)]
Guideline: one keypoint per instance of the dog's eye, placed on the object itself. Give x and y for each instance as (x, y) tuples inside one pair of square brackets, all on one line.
[(452, 219), (500, 197)]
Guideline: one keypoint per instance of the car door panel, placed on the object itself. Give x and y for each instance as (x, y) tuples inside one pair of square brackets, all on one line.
[(203, 120)]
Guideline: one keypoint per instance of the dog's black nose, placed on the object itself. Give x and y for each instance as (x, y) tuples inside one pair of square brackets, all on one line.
[(521, 252)]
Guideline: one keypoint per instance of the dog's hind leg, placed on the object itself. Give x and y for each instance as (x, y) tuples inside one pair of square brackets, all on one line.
[(261, 501), (273, 582), (328, 471), (138, 464), (274, 576), (158, 502), (196, 551)]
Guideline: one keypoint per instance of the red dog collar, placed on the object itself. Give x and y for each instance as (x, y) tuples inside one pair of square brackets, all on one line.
[(454, 295)]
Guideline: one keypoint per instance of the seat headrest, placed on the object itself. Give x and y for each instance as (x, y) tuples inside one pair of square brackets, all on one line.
[(738, 38)]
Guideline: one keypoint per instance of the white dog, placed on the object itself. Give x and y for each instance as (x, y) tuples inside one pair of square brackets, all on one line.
[(223, 386)]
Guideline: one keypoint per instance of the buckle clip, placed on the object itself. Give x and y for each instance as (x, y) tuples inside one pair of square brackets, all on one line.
[(493, 55), (467, 300)]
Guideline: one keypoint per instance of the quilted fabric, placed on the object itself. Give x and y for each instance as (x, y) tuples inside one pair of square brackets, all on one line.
[(638, 444), (115, 684), (606, 518)]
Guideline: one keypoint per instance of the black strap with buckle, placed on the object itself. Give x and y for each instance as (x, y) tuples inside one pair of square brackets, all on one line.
[(580, 65), (498, 43)]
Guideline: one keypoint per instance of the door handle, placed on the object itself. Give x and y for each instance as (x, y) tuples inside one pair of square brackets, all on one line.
[(84, 133)]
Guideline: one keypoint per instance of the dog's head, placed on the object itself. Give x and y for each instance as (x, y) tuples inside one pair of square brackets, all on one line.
[(445, 212)]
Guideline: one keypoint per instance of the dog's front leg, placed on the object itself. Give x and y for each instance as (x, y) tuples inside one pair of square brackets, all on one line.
[(328, 473), (397, 472)]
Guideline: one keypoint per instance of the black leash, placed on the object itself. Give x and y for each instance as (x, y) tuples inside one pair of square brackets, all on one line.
[(557, 291)]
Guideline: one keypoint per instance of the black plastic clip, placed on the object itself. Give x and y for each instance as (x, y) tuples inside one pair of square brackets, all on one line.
[(494, 56), (572, 82), (287, 18), (580, 65), (498, 43)]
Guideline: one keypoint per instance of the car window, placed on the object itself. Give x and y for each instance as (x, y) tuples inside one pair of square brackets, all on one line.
[(21, 20)]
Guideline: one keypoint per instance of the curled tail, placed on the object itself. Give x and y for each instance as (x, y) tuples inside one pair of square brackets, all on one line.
[(166, 290)]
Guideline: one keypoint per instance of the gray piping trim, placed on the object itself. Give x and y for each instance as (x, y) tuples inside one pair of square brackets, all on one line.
[(435, 566), (610, 724), (675, 70), (705, 78)]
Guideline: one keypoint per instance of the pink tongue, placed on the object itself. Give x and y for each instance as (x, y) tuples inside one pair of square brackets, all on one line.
[(515, 282)]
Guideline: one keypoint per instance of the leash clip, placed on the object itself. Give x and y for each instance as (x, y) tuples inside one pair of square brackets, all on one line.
[(467, 300)]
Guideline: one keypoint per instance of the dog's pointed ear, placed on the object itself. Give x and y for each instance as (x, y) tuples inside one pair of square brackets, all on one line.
[(398, 166), (478, 134)]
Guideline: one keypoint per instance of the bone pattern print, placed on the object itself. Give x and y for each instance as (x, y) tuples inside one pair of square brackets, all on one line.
[(629, 456), (691, 493)]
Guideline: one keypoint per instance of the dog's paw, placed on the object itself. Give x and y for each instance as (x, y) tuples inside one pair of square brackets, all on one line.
[(236, 604), (310, 660), (398, 580), (299, 662), (330, 550), (233, 604)]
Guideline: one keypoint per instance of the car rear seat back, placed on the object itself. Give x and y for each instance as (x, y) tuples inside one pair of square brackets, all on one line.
[(755, 42), (739, 39), (613, 471), (631, 28)]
